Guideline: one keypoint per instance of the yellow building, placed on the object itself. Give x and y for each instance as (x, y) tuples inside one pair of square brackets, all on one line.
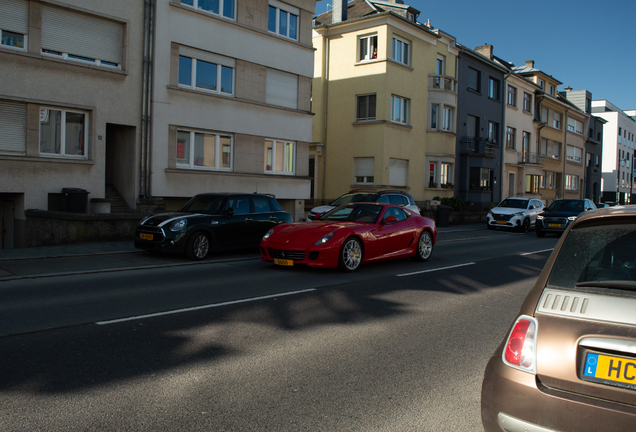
[(384, 98)]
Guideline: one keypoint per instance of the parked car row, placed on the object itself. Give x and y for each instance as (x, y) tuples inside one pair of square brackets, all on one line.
[(377, 226), (523, 213)]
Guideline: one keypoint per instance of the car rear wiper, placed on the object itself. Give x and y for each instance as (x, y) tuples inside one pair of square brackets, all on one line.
[(617, 284)]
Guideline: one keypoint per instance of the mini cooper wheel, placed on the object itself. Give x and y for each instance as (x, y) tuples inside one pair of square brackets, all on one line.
[(350, 255), (198, 246), (424, 247), (525, 226)]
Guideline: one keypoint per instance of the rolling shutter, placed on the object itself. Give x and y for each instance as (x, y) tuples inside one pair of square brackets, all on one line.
[(397, 172), (206, 56), (82, 35), (14, 16), (282, 89), (13, 117)]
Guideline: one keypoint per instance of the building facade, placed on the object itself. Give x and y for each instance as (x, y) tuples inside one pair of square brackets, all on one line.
[(385, 102), (619, 134), (70, 105), (480, 126), (231, 100)]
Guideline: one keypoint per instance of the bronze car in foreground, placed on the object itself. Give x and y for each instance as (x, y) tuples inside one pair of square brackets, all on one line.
[(568, 362)]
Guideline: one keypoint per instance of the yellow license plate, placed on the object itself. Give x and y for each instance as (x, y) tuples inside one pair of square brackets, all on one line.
[(610, 369), (283, 262), (146, 236), (501, 222), (554, 225)]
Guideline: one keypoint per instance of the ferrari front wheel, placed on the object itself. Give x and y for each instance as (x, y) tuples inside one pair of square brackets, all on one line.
[(350, 255), (424, 247)]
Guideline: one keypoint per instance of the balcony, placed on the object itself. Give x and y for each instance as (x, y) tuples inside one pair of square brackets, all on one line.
[(442, 82), (527, 158), (476, 146)]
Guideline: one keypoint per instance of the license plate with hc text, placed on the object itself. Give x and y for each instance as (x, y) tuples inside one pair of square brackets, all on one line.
[(613, 370), (283, 262), (145, 236)]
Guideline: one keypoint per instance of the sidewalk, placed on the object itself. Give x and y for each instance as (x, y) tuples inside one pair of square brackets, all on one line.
[(127, 246)]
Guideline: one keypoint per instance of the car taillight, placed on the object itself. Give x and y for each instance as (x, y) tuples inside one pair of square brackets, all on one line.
[(520, 349)]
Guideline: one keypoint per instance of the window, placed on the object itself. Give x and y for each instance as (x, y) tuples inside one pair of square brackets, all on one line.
[(80, 37), (525, 144), (510, 138), (550, 180), (223, 8), (447, 124), (209, 150), (588, 161), (541, 84), (493, 132), (445, 174), (368, 48), (512, 96), (440, 69), (204, 75), (398, 172), (432, 168), (575, 126), (366, 107), (280, 157), (434, 109), (551, 90), (399, 109), (556, 122), (574, 154), (363, 170), (542, 180), (556, 150), (63, 132), (14, 24), (493, 88), (474, 79), (532, 183), (281, 89), (544, 115), (283, 20), (401, 51), (543, 147), (527, 102), (13, 125), (571, 182), (479, 178)]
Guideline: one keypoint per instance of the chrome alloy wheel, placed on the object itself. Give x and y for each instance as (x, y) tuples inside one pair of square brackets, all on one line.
[(425, 246), (201, 246), (352, 254)]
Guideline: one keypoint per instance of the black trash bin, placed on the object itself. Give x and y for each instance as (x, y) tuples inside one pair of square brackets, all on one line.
[(76, 199), (443, 215)]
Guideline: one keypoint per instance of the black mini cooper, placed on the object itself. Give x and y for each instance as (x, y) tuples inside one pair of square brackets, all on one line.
[(211, 221)]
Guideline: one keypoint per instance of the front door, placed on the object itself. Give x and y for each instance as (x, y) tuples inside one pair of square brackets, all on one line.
[(511, 184), (6, 224)]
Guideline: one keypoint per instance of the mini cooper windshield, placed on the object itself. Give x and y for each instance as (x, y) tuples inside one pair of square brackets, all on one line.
[(208, 204)]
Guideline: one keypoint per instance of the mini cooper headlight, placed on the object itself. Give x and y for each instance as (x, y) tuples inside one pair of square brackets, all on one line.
[(178, 225), (325, 239), (268, 233)]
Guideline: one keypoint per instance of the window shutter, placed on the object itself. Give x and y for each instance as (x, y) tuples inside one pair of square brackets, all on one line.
[(363, 167), (397, 172), (82, 35), (206, 56), (282, 89), (13, 117), (14, 16)]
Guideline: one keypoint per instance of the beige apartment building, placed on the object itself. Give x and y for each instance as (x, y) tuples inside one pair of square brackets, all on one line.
[(385, 101)]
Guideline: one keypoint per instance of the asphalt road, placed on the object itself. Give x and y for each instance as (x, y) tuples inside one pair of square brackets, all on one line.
[(144, 342)]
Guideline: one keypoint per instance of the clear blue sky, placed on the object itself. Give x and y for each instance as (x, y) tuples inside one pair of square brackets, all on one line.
[(585, 44)]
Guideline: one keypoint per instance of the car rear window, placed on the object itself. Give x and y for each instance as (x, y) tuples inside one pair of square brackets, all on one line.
[(597, 257)]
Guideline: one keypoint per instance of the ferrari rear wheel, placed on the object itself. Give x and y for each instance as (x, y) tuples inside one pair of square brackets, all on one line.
[(350, 255), (424, 247)]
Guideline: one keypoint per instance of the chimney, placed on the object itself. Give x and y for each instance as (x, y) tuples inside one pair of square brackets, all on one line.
[(485, 50), (530, 64), (339, 11), (568, 88)]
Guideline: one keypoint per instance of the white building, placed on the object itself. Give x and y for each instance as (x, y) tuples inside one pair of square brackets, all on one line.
[(619, 148)]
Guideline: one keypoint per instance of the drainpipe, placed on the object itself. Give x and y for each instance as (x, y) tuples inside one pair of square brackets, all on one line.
[(503, 147), (539, 128), (146, 108), (565, 140), (326, 98)]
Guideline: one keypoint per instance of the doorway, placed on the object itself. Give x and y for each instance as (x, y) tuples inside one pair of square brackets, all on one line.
[(511, 184), (7, 224)]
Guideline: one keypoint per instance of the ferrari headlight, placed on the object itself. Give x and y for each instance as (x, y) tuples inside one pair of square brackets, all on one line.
[(178, 225), (268, 233), (325, 239)]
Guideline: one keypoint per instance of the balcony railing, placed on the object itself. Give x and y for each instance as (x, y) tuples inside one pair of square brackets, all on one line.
[(530, 158), (442, 82), (476, 146)]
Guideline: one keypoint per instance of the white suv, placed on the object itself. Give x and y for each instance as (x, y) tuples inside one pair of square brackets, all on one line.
[(517, 213)]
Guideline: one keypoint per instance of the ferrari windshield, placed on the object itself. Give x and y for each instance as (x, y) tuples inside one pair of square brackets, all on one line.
[(514, 203), (354, 213), (597, 256), (210, 204)]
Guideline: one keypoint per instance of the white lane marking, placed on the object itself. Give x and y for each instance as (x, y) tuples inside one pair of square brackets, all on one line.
[(436, 269), (195, 308), (536, 252)]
